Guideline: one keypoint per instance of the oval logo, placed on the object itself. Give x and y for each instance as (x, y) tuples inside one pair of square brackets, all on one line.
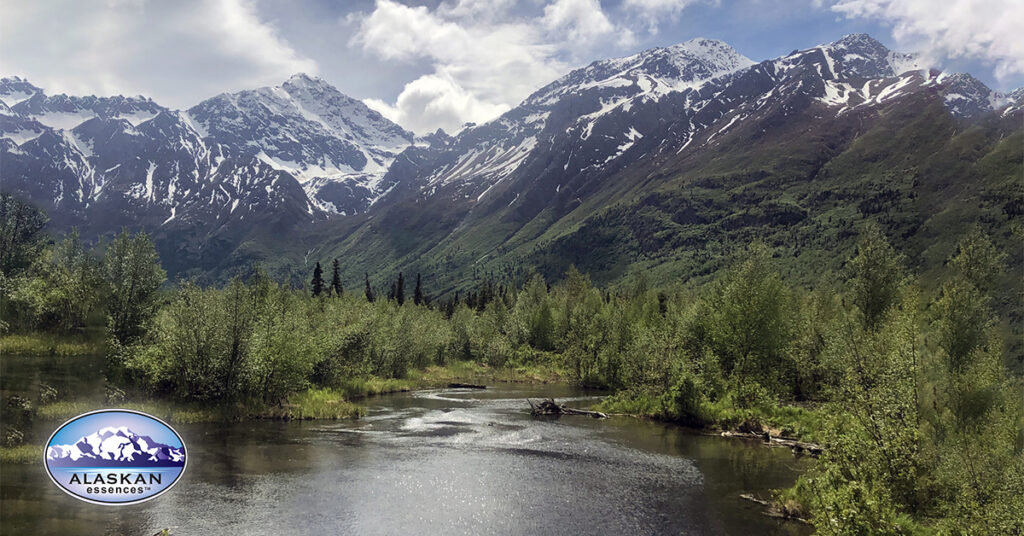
[(115, 456)]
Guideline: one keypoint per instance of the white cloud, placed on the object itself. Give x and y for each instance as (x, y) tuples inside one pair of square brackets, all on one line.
[(477, 9), (582, 21), (654, 12), (989, 30), (468, 60), (435, 100), (176, 52), (485, 56), (479, 66)]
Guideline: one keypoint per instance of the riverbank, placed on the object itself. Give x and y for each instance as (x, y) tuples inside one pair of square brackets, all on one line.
[(314, 403), (777, 420), (493, 462), (21, 454), (87, 342)]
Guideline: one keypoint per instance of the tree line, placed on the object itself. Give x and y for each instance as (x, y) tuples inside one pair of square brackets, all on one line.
[(62, 285)]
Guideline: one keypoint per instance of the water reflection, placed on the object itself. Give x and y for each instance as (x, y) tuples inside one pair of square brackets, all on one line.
[(436, 462)]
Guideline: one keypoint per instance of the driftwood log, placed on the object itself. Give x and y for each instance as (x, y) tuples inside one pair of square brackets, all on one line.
[(772, 510), (550, 407), (798, 447), (466, 386)]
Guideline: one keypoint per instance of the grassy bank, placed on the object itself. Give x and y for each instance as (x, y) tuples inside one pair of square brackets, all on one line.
[(439, 376), (21, 454), (780, 420), (481, 373), (314, 402), (89, 342)]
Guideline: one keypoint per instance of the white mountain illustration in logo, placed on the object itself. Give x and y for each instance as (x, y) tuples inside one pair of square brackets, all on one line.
[(115, 447)]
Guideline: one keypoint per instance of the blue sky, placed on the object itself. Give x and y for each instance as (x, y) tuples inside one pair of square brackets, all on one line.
[(440, 63)]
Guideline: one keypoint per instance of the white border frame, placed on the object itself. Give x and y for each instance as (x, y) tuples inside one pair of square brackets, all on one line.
[(46, 466)]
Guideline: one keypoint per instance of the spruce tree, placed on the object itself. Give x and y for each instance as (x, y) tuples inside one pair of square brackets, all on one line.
[(417, 293), (318, 280), (336, 280), (400, 289), (369, 291)]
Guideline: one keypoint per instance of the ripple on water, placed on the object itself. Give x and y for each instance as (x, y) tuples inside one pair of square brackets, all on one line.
[(437, 462)]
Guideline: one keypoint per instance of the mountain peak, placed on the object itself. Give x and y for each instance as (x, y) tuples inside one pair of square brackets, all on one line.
[(15, 89), (966, 96), (718, 55), (652, 72), (859, 40), (860, 56), (303, 79), (701, 44)]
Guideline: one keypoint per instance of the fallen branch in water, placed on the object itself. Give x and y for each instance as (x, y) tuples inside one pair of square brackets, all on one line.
[(773, 510), (799, 447), (550, 407), (466, 386)]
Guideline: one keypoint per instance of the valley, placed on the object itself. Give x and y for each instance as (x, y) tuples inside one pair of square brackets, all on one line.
[(821, 247)]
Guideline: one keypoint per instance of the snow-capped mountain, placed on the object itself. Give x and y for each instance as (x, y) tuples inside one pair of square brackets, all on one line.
[(215, 182), (337, 147), (581, 103), (600, 118), (108, 167), (115, 447), (278, 156), (519, 188)]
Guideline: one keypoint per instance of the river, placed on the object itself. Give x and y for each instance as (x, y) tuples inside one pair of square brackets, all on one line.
[(450, 461)]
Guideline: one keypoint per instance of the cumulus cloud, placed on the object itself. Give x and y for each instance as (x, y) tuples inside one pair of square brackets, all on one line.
[(484, 56), (479, 66), (582, 21), (435, 100), (988, 30), (654, 12), (468, 60), (177, 52)]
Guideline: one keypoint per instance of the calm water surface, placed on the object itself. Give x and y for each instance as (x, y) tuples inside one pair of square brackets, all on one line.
[(445, 461)]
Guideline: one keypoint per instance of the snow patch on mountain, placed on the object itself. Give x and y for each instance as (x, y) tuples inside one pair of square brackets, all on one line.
[(482, 156), (307, 128), (14, 90), (21, 135)]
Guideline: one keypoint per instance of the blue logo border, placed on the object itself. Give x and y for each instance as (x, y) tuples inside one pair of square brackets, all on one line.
[(46, 465)]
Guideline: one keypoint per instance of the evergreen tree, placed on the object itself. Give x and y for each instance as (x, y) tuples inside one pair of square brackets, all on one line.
[(453, 302), (486, 295), (336, 280), (318, 280), (400, 289), (417, 294), (369, 290)]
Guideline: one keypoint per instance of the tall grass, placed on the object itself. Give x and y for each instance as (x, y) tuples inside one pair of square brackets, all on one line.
[(21, 454), (58, 344)]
